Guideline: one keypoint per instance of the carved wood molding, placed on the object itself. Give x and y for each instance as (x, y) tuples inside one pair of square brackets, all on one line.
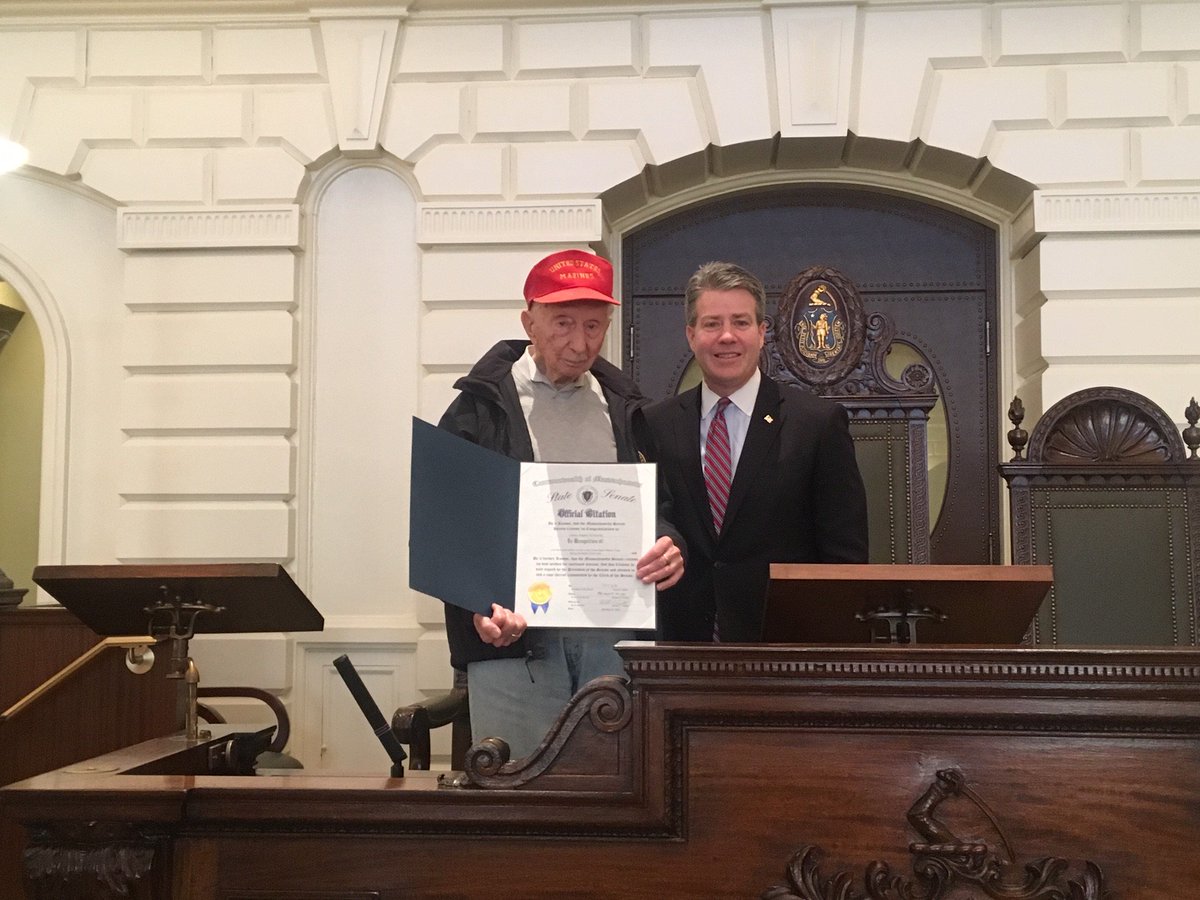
[(1075, 478), (99, 859), (943, 723), (941, 872), (918, 485), (901, 410), (1056, 671)]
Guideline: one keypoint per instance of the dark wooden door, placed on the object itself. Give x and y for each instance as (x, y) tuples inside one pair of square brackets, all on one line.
[(931, 270)]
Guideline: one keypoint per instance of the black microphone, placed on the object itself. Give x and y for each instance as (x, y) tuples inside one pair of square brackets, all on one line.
[(370, 709)]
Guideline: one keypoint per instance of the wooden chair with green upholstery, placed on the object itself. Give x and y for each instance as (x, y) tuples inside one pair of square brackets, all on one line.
[(1109, 495)]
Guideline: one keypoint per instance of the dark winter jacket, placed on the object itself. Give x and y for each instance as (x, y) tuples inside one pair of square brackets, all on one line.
[(488, 412)]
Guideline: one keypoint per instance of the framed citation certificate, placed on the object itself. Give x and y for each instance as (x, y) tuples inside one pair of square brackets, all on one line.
[(557, 542)]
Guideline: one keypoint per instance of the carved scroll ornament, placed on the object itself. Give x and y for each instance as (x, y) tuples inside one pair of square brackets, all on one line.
[(604, 703), (944, 865)]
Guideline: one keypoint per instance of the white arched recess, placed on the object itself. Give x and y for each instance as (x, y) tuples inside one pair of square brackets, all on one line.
[(358, 388), (58, 251)]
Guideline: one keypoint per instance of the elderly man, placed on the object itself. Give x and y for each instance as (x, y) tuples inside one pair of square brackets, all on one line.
[(759, 472), (548, 399)]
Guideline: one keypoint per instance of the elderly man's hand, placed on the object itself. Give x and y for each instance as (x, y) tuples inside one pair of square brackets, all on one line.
[(662, 565), (501, 628)]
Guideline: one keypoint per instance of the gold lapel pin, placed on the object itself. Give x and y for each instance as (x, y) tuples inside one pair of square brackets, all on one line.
[(768, 419)]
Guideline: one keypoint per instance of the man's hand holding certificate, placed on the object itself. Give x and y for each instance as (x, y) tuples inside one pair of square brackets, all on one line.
[(559, 544), (581, 530)]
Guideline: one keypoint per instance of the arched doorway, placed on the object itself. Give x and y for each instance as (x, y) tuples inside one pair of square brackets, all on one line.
[(931, 270), (22, 388)]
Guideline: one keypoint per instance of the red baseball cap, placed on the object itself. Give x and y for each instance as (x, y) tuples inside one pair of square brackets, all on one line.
[(570, 275)]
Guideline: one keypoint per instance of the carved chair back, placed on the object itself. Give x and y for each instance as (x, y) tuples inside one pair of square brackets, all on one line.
[(1109, 495), (822, 341)]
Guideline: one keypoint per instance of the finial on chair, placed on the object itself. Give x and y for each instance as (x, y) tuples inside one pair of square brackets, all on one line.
[(1191, 434), (1018, 437)]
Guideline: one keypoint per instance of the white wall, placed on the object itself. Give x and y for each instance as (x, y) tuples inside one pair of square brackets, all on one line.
[(217, 285)]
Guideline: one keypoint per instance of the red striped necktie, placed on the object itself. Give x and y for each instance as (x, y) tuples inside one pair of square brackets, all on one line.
[(718, 475), (718, 465)]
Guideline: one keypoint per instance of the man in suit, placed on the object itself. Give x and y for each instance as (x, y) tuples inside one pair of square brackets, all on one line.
[(758, 472)]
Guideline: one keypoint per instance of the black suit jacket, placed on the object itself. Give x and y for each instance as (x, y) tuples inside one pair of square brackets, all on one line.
[(796, 496)]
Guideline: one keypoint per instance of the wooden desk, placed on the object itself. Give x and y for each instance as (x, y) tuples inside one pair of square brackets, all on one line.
[(708, 777)]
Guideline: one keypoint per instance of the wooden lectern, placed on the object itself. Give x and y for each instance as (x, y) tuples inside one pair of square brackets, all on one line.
[(865, 604), (172, 603), (219, 598)]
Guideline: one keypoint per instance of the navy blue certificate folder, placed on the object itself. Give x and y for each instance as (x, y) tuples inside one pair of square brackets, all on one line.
[(462, 526)]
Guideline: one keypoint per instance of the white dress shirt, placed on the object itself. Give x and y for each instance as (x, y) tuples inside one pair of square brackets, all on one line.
[(737, 416)]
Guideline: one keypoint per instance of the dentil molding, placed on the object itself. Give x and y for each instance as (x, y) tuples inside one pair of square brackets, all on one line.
[(1057, 211), (577, 221), (159, 228)]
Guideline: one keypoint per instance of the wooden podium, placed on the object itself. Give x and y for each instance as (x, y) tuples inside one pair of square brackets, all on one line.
[(862, 604), (717, 771), (217, 598)]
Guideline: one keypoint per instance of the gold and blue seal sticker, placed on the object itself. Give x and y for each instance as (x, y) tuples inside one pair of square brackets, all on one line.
[(539, 597)]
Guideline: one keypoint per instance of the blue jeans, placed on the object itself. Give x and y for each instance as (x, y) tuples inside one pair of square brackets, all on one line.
[(519, 699)]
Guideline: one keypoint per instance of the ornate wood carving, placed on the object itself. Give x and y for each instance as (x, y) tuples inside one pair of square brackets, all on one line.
[(945, 865), (820, 327), (846, 666), (823, 341), (605, 702), (843, 739), (1018, 437), (1191, 434), (90, 859), (1104, 425), (846, 358)]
